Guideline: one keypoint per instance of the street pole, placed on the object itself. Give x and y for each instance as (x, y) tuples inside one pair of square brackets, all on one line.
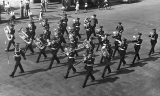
[(0, 12)]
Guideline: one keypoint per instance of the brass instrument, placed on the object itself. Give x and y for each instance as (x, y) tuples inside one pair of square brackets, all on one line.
[(24, 36), (7, 32), (86, 21), (151, 33), (134, 38), (39, 43), (104, 51), (115, 33), (86, 43)]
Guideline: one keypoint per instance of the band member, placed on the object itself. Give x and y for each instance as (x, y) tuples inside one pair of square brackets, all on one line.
[(54, 49), (11, 36), (76, 26), (42, 51), (29, 44), (46, 24), (94, 22), (122, 51), (71, 61), (46, 33), (106, 56), (154, 37), (89, 67), (137, 46), (32, 29), (64, 23), (17, 55), (117, 38), (100, 32), (91, 46), (120, 28), (88, 30)]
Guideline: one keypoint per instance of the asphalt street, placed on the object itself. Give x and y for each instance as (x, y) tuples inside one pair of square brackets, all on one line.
[(139, 80)]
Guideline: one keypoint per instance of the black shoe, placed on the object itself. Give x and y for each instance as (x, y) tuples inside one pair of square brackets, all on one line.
[(49, 68), (96, 50), (138, 59), (74, 72), (11, 76), (109, 72), (93, 80), (83, 86), (118, 68), (21, 72), (45, 57), (37, 61), (65, 77), (132, 62), (6, 50), (101, 62), (102, 76)]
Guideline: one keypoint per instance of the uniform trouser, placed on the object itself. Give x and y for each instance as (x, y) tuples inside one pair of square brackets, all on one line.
[(42, 51), (88, 34), (89, 73), (77, 33), (26, 12), (153, 44), (70, 61), (54, 57), (18, 64), (30, 48), (136, 53), (116, 49), (93, 30), (61, 47), (22, 12), (43, 7), (122, 56), (9, 44), (33, 35), (99, 44)]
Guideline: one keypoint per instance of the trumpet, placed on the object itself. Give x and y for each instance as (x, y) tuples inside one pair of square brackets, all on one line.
[(86, 43), (115, 33), (104, 51), (24, 36)]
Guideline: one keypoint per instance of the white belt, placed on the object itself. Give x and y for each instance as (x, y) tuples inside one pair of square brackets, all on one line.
[(17, 55), (138, 44), (70, 57), (153, 38), (121, 49), (89, 65)]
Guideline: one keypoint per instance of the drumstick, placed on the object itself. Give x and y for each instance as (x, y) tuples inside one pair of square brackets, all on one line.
[(7, 52)]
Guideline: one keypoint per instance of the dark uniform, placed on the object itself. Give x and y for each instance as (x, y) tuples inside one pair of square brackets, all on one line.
[(122, 51), (91, 47), (88, 30), (17, 55), (46, 24), (12, 31), (42, 51), (137, 47), (107, 59), (76, 26), (100, 33), (94, 21), (153, 41), (71, 61), (120, 28), (46, 34), (116, 43), (89, 67), (32, 29), (64, 24), (29, 45), (54, 50)]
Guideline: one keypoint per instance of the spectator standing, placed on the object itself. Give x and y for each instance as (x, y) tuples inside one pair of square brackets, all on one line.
[(26, 8), (77, 8), (8, 8), (22, 9), (86, 7), (30, 16), (43, 5)]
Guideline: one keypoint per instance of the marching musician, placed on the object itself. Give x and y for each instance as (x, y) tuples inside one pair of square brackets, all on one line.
[(64, 21), (154, 37), (120, 28), (138, 40), (122, 50), (46, 24), (100, 32), (42, 51), (32, 29), (94, 22), (91, 47), (46, 33), (29, 44), (89, 61), (106, 56), (71, 61), (76, 26), (54, 49), (117, 38), (88, 30), (11, 36), (17, 56)]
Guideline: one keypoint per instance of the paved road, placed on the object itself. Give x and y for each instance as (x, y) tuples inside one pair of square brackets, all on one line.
[(141, 80)]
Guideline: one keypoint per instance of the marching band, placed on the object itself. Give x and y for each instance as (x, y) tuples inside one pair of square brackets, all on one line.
[(43, 40)]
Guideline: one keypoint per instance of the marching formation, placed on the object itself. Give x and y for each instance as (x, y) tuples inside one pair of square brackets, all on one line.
[(55, 43)]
